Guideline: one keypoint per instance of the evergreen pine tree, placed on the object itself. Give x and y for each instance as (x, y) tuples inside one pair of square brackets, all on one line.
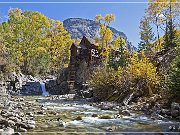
[(170, 38), (146, 34), (174, 83), (119, 56)]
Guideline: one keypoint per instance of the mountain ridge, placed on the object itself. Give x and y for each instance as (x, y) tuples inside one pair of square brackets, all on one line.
[(79, 27)]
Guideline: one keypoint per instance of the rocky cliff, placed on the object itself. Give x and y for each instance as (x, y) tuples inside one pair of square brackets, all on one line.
[(79, 27)]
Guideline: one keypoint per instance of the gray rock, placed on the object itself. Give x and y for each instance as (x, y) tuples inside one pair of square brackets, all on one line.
[(32, 88), (5, 115), (30, 114), (21, 124), (175, 106), (3, 121), (1, 131), (175, 113), (61, 123), (175, 109), (11, 123), (88, 93), (165, 112), (22, 130), (17, 133), (8, 131), (157, 116), (40, 112), (43, 108), (15, 119), (30, 126), (31, 122), (124, 112), (106, 107)]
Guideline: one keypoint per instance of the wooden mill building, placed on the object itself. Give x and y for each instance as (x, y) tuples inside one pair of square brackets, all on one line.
[(86, 51)]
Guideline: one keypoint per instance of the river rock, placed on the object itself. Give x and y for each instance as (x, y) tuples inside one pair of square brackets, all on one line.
[(22, 130), (41, 112), (165, 112), (175, 106), (87, 93), (17, 133), (31, 122), (157, 116), (124, 112), (61, 123), (32, 88), (1, 131), (8, 131), (105, 107), (175, 113), (30, 126), (30, 114), (11, 123), (94, 115), (21, 124), (175, 109), (3, 121), (78, 118), (105, 117), (52, 112)]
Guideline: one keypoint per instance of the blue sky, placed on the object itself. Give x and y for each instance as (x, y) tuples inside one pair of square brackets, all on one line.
[(128, 15)]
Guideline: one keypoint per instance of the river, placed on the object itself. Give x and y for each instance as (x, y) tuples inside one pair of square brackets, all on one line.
[(68, 115)]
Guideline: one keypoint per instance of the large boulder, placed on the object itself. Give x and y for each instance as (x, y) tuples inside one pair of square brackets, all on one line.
[(57, 89), (8, 131), (59, 85), (175, 110), (20, 84), (31, 88)]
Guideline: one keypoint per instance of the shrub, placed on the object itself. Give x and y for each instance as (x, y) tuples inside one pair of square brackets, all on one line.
[(105, 82), (143, 70), (139, 76)]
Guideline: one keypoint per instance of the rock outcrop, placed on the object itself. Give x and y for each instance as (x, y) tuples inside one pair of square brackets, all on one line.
[(20, 84), (59, 85), (79, 27)]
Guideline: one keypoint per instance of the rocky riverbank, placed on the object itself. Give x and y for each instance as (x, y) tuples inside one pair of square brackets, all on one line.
[(17, 115), (155, 107), (63, 113)]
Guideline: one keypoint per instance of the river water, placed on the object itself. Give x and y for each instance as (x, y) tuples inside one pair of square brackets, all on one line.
[(82, 117)]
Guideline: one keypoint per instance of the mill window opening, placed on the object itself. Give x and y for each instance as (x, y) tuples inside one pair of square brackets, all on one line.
[(78, 51)]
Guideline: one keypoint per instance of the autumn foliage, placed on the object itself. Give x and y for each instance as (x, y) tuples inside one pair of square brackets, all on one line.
[(34, 42), (149, 70)]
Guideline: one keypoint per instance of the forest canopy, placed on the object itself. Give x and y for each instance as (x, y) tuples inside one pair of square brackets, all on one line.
[(34, 43)]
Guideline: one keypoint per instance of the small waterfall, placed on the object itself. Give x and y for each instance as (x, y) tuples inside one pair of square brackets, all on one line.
[(43, 88)]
